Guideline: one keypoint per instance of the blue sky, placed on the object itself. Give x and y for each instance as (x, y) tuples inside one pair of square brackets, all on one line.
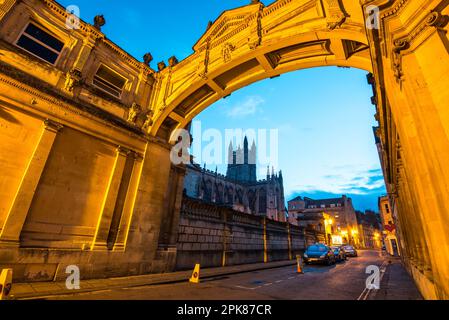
[(323, 115)]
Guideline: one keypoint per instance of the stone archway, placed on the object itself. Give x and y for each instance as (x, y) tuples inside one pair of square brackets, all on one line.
[(408, 57), (255, 42)]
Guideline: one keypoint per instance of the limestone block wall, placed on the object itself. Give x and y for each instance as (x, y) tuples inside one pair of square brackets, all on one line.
[(215, 236)]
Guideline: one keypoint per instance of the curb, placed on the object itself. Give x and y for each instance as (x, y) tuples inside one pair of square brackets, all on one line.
[(31, 295)]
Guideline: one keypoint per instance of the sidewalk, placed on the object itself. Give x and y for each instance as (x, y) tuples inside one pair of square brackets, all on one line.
[(36, 290), (396, 284)]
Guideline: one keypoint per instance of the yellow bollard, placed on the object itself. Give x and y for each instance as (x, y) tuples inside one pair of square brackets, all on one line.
[(299, 264), (195, 278), (5, 283)]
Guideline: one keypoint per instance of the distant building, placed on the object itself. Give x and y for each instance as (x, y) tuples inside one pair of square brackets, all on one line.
[(336, 215), (389, 227), (370, 229), (239, 188)]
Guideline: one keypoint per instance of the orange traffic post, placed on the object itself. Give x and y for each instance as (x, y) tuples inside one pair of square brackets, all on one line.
[(5, 283), (195, 278), (299, 264)]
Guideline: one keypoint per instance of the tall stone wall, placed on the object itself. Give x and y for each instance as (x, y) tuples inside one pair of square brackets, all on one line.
[(217, 235)]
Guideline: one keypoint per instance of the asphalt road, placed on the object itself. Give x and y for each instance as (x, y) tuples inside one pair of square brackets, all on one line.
[(344, 280)]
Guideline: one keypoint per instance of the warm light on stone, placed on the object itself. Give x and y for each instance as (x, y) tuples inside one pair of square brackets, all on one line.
[(86, 176)]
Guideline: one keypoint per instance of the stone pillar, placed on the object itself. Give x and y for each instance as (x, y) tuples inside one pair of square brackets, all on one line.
[(125, 220), (416, 75), (265, 240), (289, 239), (149, 206), (22, 201), (226, 233), (110, 201), (169, 228)]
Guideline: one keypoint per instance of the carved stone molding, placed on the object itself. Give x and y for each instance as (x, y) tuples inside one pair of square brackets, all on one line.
[(52, 125), (433, 19), (335, 15), (204, 64), (147, 58), (256, 39), (148, 121), (73, 79), (123, 151), (226, 52), (134, 112), (161, 66), (173, 61)]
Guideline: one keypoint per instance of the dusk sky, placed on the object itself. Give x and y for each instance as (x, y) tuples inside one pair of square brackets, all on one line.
[(324, 115)]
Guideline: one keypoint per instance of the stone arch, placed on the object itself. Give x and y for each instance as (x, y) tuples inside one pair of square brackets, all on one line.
[(207, 190), (219, 192), (252, 198), (256, 42), (229, 195)]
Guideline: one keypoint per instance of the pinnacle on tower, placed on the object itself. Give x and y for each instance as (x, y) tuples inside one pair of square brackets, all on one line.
[(231, 159), (245, 150), (252, 153)]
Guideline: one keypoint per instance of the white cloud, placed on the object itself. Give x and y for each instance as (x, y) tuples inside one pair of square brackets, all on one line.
[(248, 107), (345, 181)]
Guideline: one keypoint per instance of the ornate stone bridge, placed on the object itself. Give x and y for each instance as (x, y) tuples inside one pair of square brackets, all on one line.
[(86, 175)]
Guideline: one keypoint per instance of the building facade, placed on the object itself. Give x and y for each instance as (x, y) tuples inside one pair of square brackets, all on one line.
[(68, 139), (239, 188), (370, 229), (389, 233), (337, 215)]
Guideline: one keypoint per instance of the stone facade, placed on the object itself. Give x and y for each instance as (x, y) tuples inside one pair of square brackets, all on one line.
[(310, 212), (76, 158), (216, 235), (389, 223), (239, 188), (64, 198)]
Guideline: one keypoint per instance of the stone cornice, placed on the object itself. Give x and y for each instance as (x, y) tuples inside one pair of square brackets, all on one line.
[(40, 91), (90, 31)]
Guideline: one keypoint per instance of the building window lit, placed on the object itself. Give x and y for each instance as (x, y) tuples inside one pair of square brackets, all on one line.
[(40, 43), (109, 81)]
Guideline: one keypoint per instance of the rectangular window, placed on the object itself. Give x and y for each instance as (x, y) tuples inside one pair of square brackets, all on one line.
[(40, 43), (109, 81)]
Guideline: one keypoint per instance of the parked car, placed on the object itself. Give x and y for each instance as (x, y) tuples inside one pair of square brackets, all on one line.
[(319, 253), (350, 251), (340, 254)]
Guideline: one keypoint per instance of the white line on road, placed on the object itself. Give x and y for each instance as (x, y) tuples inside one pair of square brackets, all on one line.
[(247, 288), (366, 292)]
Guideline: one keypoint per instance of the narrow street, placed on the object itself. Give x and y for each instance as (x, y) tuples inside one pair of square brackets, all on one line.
[(345, 281)]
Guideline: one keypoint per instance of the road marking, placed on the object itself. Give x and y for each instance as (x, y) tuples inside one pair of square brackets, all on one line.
[(268, 284), (366, 292), (291, 278), (247, 288), (279, 281)]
